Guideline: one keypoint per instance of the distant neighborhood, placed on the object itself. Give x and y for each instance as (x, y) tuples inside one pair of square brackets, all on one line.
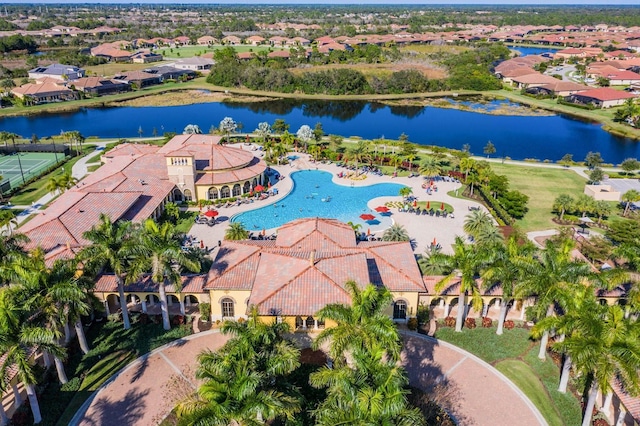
[(593, 59)]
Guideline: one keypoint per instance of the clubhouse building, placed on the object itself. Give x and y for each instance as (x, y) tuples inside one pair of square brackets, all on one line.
[(136, 181)]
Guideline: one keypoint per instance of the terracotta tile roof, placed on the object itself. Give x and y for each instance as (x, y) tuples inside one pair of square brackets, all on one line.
[(42, 87), (605, 94), (632, 404), (190, 284), (535, 78), (251, 170), (308, 265)]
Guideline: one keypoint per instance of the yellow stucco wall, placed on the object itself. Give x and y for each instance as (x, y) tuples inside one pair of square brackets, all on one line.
[(240, 297), (412, 302)]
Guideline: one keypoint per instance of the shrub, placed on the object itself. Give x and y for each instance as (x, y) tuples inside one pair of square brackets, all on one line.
[(205, 311), (144, 318), (450, 322), (177, 320), (486, 322), (509, 324), (115, 317), (412, 324), (470, 323)]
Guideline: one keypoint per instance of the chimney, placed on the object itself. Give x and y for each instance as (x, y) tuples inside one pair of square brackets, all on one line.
[(312, 257)]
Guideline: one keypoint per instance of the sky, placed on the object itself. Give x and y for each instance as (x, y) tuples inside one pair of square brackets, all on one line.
[(378, 2)]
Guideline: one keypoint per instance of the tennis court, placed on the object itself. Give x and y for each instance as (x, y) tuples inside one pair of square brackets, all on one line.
[(31, 163)]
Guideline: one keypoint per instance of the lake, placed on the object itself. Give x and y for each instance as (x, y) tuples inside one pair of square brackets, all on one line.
[(518, 137)]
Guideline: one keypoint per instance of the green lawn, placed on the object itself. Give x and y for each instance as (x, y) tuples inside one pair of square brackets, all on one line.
[(542, 185), (525, 378), (189, 51), (515, 356)]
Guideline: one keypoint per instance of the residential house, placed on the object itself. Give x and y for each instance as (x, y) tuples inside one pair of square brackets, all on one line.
[(232, 40), (532, 80), (168, 72), (43, 91), (255, 40), (138, 78), (182, 41), (603, 97), (558, 88), (207, 41), (112, 54), (195, 63), (145, 57), (57, 72), (99, 86)]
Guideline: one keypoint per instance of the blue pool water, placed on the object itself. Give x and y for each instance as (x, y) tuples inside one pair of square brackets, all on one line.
[(310, 188)]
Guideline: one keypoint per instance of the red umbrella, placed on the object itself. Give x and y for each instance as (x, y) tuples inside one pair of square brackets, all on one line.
[(368, 231), (428, 204), (258, 188), (415, 203), (382, 209), (434, 243), (201, 244), (211, 213), (442, 206), (367, 216)]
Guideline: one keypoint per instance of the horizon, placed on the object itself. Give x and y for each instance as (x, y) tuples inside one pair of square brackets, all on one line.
[(341, 2)]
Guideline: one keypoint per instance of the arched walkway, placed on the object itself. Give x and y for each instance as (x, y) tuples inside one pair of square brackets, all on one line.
[(139, 394)]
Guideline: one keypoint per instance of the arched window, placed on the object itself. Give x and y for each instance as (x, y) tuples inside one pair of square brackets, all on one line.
[(236, 190), (246, 188), (187, 195), (212, 194), (400, 310), (254, 183), (228, 310), (224, 192), (299, 322), (177, 195), (310, 323)]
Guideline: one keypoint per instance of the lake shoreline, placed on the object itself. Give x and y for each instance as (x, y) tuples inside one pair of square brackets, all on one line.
[(179, 95)]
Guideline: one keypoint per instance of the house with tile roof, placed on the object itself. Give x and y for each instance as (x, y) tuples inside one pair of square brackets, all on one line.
[(290, 278), (43, 91), (603, 97), (57, 72), (135, 183)]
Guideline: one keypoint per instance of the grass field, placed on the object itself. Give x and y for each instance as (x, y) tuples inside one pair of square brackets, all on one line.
[(189, 51), (376, 70), (542, 185), (514, 355)]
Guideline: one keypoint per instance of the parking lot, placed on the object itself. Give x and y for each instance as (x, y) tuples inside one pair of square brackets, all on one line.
[(623, 185)]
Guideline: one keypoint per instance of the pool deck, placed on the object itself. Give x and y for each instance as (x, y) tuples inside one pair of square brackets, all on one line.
[(422, 229)]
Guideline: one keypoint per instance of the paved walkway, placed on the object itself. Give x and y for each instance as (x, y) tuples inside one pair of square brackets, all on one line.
[(470, 389), (422, 229)]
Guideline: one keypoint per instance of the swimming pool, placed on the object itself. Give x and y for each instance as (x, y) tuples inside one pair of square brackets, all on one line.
[(315, 195)]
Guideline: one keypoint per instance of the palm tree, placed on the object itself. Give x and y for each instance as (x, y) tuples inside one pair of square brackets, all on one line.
[(477, 221), (467, 164), (356, 228), (18, 340), (395, 159), (563, 203), (8, 218), (489, 236), (579, 307), (358, 153), (584, 204), (372, 392), (245, 382), (159, 251), (395, 232), (464, 264), (604, 347), (631, 196), (11, 254), (404, 192), (601, 208), (551, 278), (111, 245), (504, 270), (430, 167), (235, 232), (361, 326)]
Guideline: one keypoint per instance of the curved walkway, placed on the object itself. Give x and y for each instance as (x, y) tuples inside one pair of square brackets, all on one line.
[(475, 393)]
